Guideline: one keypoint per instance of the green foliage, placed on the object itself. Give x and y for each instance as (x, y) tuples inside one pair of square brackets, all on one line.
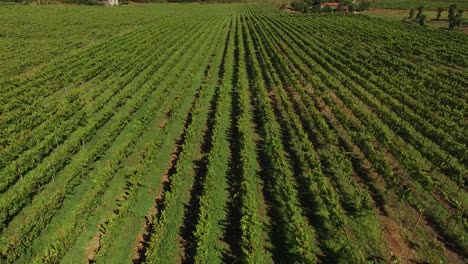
[(455, 19), (420, 12), (227, 133), (317, 2), (339, 8), (346, 2), (420, 17), (422, 20), (451, 12), (364, 5), (299, 5), (328, 9)]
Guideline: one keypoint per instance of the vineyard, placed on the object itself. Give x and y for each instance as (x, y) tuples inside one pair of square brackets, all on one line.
[(230, 133)]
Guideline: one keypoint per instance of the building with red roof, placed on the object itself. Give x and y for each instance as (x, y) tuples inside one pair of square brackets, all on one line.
[(333, 5)]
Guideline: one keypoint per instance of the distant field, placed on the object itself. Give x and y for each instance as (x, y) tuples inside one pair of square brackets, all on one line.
[(430, 4), (229, 133), (399, 14)]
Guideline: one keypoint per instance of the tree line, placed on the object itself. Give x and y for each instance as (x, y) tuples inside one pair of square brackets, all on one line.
[(455, 19), (317, 6)]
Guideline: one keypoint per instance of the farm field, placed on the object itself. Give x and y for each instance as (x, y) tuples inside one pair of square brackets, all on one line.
[(229, 133), (428, 4), (397, 15)]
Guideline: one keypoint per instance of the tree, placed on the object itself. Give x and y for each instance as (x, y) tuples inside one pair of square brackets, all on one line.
[(422, 20), (339, 8), (316, 9), (420, 12), (458, 18), (439, 12), (411, 13), (364, 5), (314, 5), (299, 5), (455, 20), (451, 12), (420, 16), (305, 8), (346, 2), (451, 23), (316, 2), (328, 9)]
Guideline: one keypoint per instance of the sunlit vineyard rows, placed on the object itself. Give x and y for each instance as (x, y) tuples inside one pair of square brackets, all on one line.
[(230, 133)]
